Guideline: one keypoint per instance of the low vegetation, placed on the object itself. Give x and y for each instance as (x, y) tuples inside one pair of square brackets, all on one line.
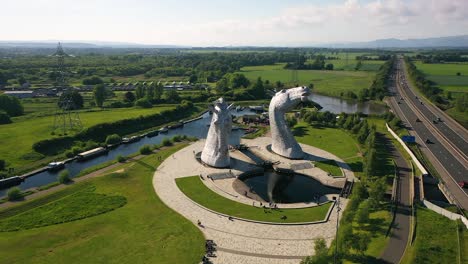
[(193, 188), (143, 231), (82, 204), (436, 239)]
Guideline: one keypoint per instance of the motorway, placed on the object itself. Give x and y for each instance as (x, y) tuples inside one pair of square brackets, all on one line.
[(447, 149)]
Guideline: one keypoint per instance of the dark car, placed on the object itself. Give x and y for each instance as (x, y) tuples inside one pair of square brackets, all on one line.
[(463, 184)]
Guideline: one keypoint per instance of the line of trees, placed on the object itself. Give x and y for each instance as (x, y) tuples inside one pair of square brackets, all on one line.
[(379, 88), (427, 87)]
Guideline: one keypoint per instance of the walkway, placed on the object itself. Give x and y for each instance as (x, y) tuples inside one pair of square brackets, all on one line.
[(401, 226), (237, 241)]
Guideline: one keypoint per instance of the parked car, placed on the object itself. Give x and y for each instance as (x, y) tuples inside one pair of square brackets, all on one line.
[(463, 184)]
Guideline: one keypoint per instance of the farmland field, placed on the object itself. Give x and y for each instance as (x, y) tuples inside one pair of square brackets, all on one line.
[(332, 83), (445, 76)]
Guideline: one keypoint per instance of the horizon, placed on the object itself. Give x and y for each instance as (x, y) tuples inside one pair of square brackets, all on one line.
[(219, 24)]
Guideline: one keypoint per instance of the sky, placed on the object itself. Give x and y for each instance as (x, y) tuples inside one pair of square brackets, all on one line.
[(231, 22)]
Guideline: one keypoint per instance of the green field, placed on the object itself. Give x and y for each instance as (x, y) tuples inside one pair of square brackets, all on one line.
[(142, 231), (16, 139), (332, 83), (436, 239), (445, 77), (329, 166), (193, 188)]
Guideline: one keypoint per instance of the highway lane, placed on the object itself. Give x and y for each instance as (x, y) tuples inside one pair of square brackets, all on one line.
[(451, 170), (456, 138)]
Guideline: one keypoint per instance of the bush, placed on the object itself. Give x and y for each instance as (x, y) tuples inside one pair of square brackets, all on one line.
[(69, 154), (64, 176), (4, 118), (121, 158), (177, 138), (143, 103), (76, 150), (14, 194), (113, 139), (2, 164), (167, 142), (145, 150)]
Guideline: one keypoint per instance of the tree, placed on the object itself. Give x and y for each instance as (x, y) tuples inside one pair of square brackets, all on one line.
[(329, 67), (171, 96), (4, 118), (99, 93), (113, 139), (150, 91), (2, 164), (139, 92), (21, 80), (193, 78), (222, 85), (458, 73), (362, 215), (377, 190), (258, 90), (321, 253), (158, 91), (64, 176), (92, 81), (129, 97), (3, 78), (143, 103), (14, 194), (238, 80), (11, 105), (70, 100), (360, 242)]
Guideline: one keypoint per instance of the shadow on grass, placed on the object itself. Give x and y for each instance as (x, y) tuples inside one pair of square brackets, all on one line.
[(300, 131), (142, 163)]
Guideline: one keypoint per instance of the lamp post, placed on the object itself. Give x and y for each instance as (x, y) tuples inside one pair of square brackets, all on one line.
[(338, 209)]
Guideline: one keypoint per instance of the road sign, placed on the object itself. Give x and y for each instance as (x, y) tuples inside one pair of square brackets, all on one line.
[(409, 139)]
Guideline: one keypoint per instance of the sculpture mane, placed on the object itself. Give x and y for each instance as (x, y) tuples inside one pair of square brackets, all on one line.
[(283, 142), (216, 152)]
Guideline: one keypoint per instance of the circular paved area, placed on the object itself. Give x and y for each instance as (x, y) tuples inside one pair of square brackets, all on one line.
[(238, 241)]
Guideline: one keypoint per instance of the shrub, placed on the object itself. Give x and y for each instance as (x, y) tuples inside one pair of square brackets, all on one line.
[(69, 154), (177, 138), (2, 164), (64, 176), (14, 194), (113, 139), (76, 150), (121, 158), (143, 103), (167, 142), (4, 118), (145, 150)]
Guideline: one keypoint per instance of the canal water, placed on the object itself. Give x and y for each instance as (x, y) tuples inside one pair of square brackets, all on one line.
[(197, 128), (338, 105)]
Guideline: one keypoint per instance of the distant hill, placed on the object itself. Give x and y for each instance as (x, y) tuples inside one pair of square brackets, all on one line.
[(440, 42), (79, 44)]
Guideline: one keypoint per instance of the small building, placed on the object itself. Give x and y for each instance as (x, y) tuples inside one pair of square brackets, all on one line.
[(20, 94)]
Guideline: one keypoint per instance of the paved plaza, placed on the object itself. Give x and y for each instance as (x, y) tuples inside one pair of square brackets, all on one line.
[(241, 241)]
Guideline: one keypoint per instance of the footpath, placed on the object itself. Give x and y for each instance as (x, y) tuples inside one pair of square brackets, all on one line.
[(396, 246)]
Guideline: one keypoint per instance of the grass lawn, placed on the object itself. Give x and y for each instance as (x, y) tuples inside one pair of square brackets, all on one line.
[(17, 138), (329, 166), (196, 190), (376, 230), (142, 231), (436, 239), (333, 140), (331, 83)]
